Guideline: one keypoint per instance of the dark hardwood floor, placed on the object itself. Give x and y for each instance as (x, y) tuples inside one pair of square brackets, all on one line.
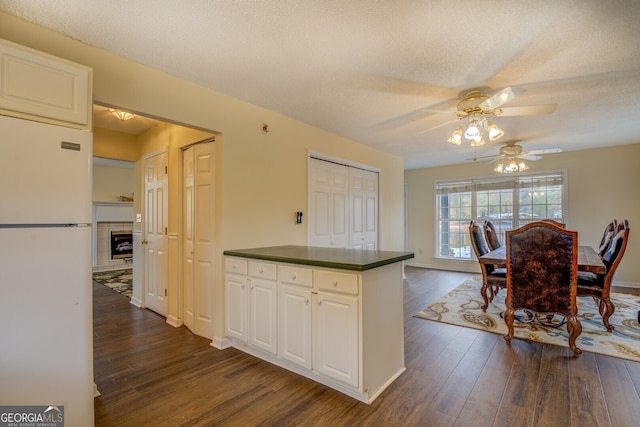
[(151, 374)]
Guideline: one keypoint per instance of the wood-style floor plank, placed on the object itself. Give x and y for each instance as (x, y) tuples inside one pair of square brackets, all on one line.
[(151, 374)]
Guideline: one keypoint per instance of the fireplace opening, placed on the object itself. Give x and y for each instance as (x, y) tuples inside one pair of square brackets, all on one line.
[(121, 244)]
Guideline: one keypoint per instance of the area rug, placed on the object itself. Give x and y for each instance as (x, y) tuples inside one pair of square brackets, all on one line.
[(119, 280), (462, 307)]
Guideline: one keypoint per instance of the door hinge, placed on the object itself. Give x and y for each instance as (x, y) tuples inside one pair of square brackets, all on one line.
[(166, 171), (165, 231), (165, 292)]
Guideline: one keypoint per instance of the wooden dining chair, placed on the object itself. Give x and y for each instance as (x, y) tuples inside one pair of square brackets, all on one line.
[(598, 286), (493, 277), (491, 235), (609, 230), (556, 222), (542, 276)]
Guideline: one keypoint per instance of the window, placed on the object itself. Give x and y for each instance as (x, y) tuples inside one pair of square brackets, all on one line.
[(508, 202)]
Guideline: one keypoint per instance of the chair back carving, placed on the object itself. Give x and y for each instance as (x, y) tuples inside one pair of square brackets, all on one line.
[(553, 221), (542, 274), (491, 235)]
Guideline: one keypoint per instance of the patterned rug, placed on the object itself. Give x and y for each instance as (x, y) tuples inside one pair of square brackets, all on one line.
[(119, 280), (462, 307)]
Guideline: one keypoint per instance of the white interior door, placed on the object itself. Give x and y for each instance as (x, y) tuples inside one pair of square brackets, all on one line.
[(329, 206), (364, 209), (343, 206), (155, 233), (198, 166)]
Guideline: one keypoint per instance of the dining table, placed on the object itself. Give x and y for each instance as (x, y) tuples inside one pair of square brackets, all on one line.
[(588, 259)]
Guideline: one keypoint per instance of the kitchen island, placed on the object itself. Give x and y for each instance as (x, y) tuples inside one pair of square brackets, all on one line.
[(332, 315)]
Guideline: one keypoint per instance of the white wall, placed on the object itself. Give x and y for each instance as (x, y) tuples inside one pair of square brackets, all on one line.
[(110, 180), (602, 185)]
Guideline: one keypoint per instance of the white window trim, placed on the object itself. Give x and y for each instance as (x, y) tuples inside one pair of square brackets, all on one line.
[(486, 178)]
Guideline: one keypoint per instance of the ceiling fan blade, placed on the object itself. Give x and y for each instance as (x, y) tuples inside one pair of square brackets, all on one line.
[(436, 127), (502, 97), (428, 110), (491, 157), (527, 110), (545, 151), (529, 157)]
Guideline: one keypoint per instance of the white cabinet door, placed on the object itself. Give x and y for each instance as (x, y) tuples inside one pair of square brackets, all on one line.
[(263, 314), (294, 326), (42, 87), (336, 337), (236, 306)]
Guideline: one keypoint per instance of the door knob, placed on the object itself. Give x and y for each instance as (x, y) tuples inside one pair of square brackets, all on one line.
[(144, 242)]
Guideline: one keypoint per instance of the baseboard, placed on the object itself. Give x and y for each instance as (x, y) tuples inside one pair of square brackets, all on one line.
[(220, 343), (174, 321), (136, 302)]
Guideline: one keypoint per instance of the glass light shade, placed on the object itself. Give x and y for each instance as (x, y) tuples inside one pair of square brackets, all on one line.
[(473, 132), (511, 165), (477, 142), (495, 132), (122, 115), (456, 136)]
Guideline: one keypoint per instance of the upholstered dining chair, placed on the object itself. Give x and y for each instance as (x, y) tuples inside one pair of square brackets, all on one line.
[(493, 277), (606, 237), (542, 275), (598, 286), (556, 222), (491, 235)]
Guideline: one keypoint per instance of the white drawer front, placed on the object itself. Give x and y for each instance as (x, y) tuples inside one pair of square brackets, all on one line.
[(296, 275), (234, 265), (333, 281), (263, 270)]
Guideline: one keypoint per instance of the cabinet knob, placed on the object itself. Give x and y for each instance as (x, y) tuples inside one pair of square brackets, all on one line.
[(293, 277), (335, 283), (306, 300), (261, 271)]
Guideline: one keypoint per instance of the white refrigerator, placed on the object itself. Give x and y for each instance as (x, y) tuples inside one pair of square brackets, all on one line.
[(46, 344)]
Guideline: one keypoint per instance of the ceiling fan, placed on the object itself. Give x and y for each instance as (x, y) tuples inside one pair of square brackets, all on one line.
[(476, 106), (511, 157)]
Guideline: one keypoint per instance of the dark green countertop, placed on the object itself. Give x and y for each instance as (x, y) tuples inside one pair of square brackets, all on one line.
[(344, 259)]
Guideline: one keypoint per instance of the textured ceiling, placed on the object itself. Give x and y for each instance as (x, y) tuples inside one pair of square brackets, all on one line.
[(364, 69)]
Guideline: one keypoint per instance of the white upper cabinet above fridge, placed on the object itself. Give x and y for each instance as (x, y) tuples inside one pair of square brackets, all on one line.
[(42, 87)]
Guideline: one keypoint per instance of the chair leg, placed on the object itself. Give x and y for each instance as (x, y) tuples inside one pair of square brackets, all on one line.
[(574, 327), (609, 309), (509, 316), (485, 298)]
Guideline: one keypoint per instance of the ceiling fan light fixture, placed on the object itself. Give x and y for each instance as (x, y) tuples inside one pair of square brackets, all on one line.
[(456, 136), (511, 165), (122, 115), (473, 132), (494, 131), (477, 142)]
